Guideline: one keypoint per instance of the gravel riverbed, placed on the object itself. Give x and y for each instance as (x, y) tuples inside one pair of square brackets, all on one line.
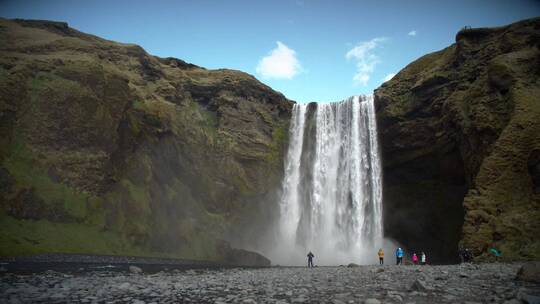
[(466, 283)]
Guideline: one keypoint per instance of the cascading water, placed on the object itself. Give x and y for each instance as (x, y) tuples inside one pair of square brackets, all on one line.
[(331, 201)]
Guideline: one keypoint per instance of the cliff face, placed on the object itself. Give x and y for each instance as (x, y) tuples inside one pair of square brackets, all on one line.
[(460, 137), (107, 149)]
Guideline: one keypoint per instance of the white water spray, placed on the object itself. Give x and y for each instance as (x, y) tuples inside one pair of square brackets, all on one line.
[(331, 201)]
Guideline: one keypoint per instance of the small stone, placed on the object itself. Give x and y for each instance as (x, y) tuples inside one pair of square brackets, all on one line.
[(135, 269), (440, 278), (353, 265), (420, 285), (529, 272), (343, 295), (372, 301), (396, 297), (449, 298), (249, 301), (529, 299), (124, 286), (512, 301), (58, 296)]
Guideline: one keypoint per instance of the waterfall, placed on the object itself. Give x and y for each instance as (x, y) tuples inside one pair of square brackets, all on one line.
[(331, 201)]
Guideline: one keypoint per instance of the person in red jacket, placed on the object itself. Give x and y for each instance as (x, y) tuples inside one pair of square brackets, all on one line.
[(414, 258)]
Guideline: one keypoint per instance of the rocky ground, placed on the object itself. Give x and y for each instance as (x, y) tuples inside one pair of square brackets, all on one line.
[(467, 283)]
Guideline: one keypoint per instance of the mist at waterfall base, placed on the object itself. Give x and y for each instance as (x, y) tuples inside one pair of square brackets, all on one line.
[(331, 196)]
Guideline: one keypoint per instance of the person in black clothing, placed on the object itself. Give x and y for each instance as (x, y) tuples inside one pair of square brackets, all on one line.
[(468, 255), (461, 253), (465, 255), (310, 257)]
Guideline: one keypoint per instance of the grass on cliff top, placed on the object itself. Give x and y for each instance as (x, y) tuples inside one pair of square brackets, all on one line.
[(24, 36)]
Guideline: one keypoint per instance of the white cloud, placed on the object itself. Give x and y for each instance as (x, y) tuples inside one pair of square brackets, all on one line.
[(366, 60), (280, 63), (389, 76), (412, 33)]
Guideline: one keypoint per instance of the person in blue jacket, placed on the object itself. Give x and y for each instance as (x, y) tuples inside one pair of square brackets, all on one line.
[(399, 256)]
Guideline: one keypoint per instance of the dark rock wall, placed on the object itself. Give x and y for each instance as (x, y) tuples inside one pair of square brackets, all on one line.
[(460, 132)]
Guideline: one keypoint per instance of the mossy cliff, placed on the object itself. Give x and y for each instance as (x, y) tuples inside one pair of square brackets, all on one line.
[(107, 149), (460, 136)]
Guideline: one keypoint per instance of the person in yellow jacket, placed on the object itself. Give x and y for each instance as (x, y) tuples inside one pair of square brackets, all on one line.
[(381, 256)]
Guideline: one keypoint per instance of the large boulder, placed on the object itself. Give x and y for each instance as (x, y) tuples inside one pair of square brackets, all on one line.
[(529, 272), (241, 257)]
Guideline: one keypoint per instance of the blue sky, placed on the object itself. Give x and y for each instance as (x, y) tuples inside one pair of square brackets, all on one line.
[(308, 50)]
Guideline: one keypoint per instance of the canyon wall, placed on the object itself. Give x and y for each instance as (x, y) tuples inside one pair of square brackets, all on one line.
[(460, 138)]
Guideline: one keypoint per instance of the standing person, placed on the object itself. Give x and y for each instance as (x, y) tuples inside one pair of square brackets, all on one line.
[(495, 253), (467, 255), (310, 257), (381, 256), (414, 258), (423, 258), (399, 256)]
